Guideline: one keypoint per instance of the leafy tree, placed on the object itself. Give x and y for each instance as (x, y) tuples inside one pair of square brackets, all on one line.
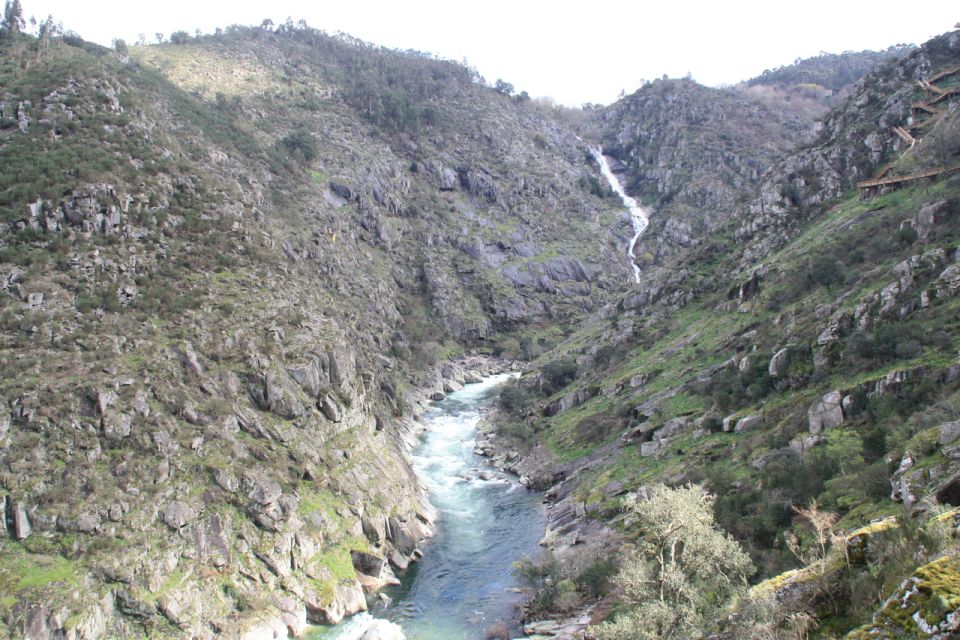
[(47, 30), (558, 374), (685, 570), (301, 145), (504, 87), (12, 19), (179, 37), (826, 271)]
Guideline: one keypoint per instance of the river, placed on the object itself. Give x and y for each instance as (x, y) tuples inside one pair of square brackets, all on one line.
[(464, 582), (638, 216)]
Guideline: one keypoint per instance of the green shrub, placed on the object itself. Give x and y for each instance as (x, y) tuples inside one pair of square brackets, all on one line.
[(301, 145), (514, 399), (558, 374)]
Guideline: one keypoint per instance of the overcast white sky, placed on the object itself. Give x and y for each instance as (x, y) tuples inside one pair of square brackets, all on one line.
[(574, 52)]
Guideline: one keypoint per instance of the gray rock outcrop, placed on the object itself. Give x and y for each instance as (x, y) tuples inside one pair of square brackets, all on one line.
[(825, 413)]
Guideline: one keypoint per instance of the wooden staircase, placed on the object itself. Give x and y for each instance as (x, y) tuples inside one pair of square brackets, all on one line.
[(924, 116)]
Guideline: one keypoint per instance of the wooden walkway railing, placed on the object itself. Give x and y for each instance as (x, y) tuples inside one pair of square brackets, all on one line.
[(923, 106), (944, 74), (866, 185), (905, 136), (906, 133)]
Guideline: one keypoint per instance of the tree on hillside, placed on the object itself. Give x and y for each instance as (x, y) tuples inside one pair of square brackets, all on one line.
[(179, 37), (12, 19), (47, 30), (684, 572), (504, 87)]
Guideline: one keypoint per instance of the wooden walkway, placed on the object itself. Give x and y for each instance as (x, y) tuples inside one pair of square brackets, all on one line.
[(910, 133), (923, 106), (867, 185), (944, 74)]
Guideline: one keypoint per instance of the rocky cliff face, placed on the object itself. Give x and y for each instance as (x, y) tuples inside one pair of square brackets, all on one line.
[(854, 141), (690, 153), (227, 266)]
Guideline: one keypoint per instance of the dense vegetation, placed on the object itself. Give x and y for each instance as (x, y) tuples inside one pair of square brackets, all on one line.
[(834, 71)]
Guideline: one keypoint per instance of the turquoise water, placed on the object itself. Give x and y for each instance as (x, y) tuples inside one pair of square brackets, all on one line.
[(463, 583)]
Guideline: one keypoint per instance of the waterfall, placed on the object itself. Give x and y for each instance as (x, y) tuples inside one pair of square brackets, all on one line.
[(638, 216)]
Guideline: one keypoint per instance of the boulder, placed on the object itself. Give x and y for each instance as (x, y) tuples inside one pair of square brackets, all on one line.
[(671, 428), (398, 560), (728, 423), (383, 630), (309, 377), (450, 386), (177, 514), (948, 432), (401, 536), (928, 217), (368, 563), (261, 489), (900, 482), (294, 616), (19, 519), (348, 598), (190, 360), (270, 393), (804, 444), (949, 281), (331, 408), (748, 423), (650, 448), (116, 426), (270, 629), (448, 179), (825, 413)]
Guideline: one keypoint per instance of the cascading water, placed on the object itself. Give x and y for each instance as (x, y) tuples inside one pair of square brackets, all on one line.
[(638, 216), (464, 582)]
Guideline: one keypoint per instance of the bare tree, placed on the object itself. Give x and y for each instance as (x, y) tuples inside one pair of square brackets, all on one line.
[(821, 523)]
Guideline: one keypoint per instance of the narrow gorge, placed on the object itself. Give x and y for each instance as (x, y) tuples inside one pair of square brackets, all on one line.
[(463, 583), (302, 336)]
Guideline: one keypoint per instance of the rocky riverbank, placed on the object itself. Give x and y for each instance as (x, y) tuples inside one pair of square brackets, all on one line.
[(571, 535)]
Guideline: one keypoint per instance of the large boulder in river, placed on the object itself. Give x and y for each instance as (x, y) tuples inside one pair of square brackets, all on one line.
[(383, 630), (348, 598)]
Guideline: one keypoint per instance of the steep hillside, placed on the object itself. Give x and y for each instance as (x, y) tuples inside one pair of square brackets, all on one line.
[(803, 352), (834, 71), (810, 87), (229, 267)]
